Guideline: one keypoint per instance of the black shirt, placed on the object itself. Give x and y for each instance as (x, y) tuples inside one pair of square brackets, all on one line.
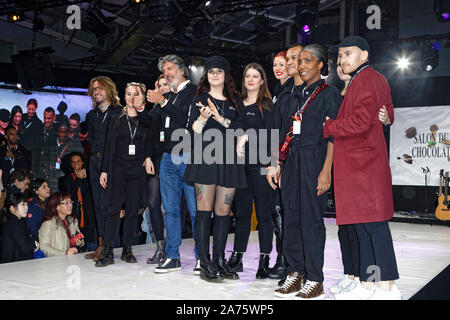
[(124, 139), (97, 126), (326, 103), (253, 119), (176, 109)]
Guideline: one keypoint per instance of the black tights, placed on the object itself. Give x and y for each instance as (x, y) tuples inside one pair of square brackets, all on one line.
[(209, 198), (154, 207)]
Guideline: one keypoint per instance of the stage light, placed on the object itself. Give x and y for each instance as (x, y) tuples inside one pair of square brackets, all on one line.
[(306, 28), (403, 63), (306, 21), (430, 59), (19, 86), (15, 17), (207, 4), (137, 1), (442, 10)]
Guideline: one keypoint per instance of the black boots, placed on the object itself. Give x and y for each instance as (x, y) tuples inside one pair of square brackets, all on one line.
[(279, 270), (106, 258), (127, 255), (159, 253), (235, 262), (209, 270), (263, 268), (221, 265)]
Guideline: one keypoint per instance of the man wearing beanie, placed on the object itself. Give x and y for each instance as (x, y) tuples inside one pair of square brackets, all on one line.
[(362, 176), (172, 112)]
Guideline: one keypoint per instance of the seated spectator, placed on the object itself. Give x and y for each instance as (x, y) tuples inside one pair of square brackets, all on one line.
[(17, 244), (13, 155), (59, 231), (19, 181), (37, 195), (4, 119), (76, 183)]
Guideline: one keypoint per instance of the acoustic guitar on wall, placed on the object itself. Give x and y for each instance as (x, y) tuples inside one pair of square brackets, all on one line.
[(443, 207)]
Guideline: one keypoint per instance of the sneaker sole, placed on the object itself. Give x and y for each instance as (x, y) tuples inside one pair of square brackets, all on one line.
[(285, 295), (321, 297), (167, 270), (197, 273)]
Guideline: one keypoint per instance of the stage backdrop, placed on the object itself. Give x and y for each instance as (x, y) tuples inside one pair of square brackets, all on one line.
[(81, 104), (420, 138)]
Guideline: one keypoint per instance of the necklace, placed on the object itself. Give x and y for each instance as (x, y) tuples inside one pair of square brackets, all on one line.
[(220, 110)]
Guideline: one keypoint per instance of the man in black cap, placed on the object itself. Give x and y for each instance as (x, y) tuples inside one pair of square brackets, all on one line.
[(362, 176), (172, 112), (4, 120)]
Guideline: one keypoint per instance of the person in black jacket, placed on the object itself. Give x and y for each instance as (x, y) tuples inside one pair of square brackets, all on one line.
[(13, 155), (17, 244), (105, 103), (126, 162), (33, 128), (76, 184)]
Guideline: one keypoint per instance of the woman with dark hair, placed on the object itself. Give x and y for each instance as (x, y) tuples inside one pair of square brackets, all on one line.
[(306, 175), (15, 119), (215, 108), (17, 242), (127, 161), (59, 233), (257, 117), (38, 193), (77, 185)]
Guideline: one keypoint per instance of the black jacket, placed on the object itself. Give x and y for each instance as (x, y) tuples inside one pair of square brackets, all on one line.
[(17, 242), (110, 147)]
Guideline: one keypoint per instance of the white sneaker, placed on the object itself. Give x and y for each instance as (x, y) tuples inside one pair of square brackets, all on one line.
[(394, 294), (197, 269), (358, 293), (343, 283)]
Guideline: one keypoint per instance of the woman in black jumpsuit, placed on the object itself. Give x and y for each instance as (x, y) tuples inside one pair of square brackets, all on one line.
[(306, 175), (128, 146)]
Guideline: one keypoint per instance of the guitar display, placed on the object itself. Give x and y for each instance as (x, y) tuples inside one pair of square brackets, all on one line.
[(443, 207), (441, 184)]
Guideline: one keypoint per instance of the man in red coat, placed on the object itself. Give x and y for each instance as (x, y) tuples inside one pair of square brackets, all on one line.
[(362, 177)]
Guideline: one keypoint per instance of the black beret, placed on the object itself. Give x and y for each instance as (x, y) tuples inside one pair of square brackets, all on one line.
[(217, 62), (4, 115)]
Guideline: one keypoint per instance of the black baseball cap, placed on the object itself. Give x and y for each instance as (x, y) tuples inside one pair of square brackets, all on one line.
[(351, 41)]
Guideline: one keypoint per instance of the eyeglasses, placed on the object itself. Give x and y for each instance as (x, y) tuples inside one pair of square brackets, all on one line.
[(66, 203)]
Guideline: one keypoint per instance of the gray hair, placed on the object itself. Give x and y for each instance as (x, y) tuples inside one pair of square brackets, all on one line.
[(176, 60), (321, 54)]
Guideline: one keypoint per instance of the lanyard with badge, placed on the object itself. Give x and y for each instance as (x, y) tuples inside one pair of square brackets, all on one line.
[(167, 120), (282, 151), (350, 82), (132, 147)]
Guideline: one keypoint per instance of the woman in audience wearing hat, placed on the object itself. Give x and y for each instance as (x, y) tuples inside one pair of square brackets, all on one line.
[(216, 107)]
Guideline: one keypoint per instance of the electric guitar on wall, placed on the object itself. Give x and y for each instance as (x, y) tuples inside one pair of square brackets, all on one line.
[(443, 208), (439, 193)]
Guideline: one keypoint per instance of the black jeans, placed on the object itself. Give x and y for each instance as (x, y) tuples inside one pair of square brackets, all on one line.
[(154, 207), (127, 186), (348, 240), (258, 190), (98, 194), (376, 250)]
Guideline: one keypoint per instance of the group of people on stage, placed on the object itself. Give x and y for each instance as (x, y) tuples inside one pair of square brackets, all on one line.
[(135, 161)]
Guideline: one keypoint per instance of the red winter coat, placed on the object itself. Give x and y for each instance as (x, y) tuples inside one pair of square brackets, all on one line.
[(362, 176)]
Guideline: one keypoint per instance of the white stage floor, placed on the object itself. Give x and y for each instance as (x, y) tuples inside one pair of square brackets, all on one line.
[(422, 252)]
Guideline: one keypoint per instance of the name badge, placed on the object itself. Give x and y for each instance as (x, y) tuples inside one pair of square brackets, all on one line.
[(161, 136), (131, 150), (297, 129), (167, 122), (57, 165)]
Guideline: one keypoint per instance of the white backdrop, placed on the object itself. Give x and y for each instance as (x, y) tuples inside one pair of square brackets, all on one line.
[(412, 136), (75, 103)]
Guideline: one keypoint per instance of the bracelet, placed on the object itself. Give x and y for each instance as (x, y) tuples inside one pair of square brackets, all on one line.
[(162, 101)]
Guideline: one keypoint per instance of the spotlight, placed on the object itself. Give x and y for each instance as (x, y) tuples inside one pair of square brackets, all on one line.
[(430, 59), (403, 63), (207, 4), (15, 17), (442, 9), (306, 21), (211, 6), (137, 1)]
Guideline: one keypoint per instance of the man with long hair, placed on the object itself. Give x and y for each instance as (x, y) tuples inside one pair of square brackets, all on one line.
[(105, 103)]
